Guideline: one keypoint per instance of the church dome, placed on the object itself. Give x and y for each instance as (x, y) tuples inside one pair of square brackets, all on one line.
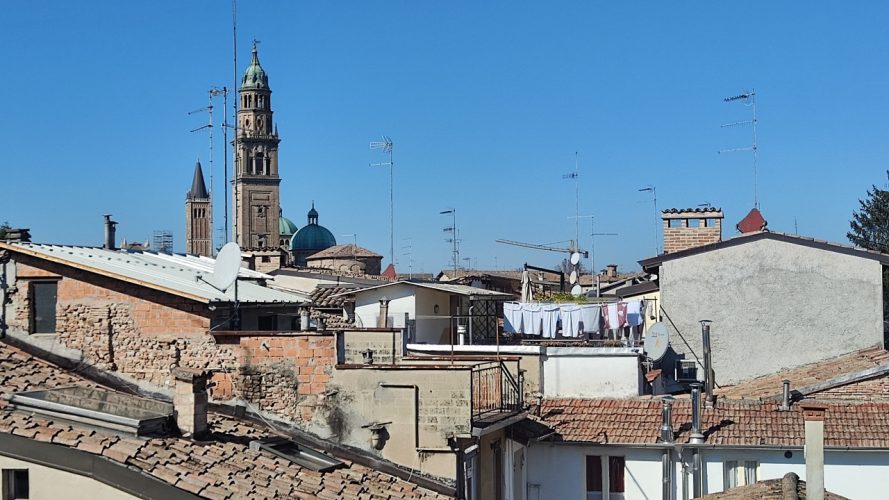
[(286, 227), (312, 237), (255, 77)]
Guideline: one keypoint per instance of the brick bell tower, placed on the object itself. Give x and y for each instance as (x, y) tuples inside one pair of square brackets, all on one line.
[(198, 233), (256, 183)]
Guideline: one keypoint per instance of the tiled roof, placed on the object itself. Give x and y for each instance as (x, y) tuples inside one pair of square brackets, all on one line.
[(223, 466), (343, 251), (330, 296), (733, 423), (771, 489), (444, 287), (809, 375)]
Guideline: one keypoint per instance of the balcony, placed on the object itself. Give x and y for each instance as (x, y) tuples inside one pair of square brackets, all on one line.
[(496, 393)]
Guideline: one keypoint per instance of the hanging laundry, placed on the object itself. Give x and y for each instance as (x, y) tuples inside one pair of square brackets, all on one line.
[(621, 314), (512, 317), (589, 317), (610, 317), (550, 320), (571, 320), (635, 313), (532, 318)]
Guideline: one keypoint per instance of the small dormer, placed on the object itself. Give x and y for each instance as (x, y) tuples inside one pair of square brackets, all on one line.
[(691, 227)]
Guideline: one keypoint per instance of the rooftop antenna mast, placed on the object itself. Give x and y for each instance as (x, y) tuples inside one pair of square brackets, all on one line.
[(235, 117), (209, 127), (653, 191), (453, 239), (386, 145), (410, 256), (749, 99), (575, 175), (215, 92)]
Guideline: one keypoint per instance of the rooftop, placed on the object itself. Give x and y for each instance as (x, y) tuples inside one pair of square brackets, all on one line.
[(732, 423), (343, 251), (174, 274), (222, 466), (443, 287)]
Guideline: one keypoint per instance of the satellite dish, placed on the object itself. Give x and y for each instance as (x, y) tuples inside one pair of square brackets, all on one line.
[(573, 277), (575, 258), (576, 290), (227, 266), (657, 338)]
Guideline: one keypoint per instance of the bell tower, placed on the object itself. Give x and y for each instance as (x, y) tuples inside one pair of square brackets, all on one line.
[(198, 231), (256, 183)]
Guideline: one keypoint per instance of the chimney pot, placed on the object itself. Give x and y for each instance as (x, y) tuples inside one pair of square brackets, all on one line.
[(813, 414)]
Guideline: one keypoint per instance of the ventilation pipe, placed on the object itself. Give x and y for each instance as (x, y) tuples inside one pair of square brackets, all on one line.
[(696, 438), (667, 438), (708, 363), (109, 233), (785, 397)]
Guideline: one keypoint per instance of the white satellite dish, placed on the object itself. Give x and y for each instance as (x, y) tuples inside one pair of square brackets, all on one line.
[(227, 266), (573, 277), (657, 338), (575, 258), (576, 290)]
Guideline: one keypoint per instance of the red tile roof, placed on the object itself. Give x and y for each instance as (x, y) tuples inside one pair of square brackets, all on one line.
[(221, 467), (816, 373), (750, 423)]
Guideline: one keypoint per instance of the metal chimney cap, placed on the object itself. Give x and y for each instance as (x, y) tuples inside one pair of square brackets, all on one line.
[(705, 321), (668, 400)]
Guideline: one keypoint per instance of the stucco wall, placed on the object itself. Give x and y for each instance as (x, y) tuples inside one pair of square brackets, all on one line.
[(46, 482), (774, 305), (418, 303), (570, 372)]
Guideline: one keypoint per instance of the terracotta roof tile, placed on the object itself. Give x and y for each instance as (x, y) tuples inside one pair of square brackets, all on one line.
[(222, 467), (637, 421)]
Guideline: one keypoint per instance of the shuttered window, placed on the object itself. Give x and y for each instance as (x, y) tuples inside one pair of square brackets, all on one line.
[(43, 300)]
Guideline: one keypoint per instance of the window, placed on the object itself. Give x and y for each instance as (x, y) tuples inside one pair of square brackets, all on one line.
[(605, 475), (739, 473), (268, 323), (43, 311), (675, 223), (15, 484)]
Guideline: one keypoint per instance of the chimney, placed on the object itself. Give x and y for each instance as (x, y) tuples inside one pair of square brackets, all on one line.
[(691, 227), (611, 270), (667, 437), (696, 438), (109, 232), (785, 396), (383, 320), (708, 363), (813, 413), (190, 401)]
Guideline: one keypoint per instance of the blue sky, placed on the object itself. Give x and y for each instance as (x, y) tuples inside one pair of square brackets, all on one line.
[(487, 103)]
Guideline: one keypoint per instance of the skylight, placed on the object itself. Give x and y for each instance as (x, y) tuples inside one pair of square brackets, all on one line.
[(297, 453)]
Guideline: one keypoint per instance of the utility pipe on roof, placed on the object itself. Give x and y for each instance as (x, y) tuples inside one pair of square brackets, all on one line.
[(667, 438)]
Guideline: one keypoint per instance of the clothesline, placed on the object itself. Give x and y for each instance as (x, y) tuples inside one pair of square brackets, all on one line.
[(572, 320)]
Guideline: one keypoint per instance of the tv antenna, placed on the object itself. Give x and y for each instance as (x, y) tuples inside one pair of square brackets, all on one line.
[(213, 92), (575, 175), (453, 239), (409, 251), (749, 99), (386, 145), (653, 190)]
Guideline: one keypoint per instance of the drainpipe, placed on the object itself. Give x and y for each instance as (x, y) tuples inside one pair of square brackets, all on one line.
[(696, 438), (667, 437), (813, 413), (708, 363)]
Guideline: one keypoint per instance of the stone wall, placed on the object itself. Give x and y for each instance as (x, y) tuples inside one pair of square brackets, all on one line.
[(356, 343)]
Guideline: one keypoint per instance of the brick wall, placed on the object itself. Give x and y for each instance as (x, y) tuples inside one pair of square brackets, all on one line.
[(685, 229), (867, 390), (143, 334)]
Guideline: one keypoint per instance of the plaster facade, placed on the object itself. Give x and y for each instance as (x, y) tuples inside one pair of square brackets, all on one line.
[(773, 304), (47, 482)]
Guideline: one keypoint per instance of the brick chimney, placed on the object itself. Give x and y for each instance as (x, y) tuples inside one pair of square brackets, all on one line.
[(190, 401), (813, 413), (691, 227)]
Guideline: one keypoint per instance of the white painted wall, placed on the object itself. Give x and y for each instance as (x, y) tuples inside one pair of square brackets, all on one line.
[(419, 303), (582, 372), (558, 470), (46, 482)]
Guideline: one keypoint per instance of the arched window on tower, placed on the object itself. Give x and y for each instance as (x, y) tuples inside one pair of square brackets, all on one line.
[(260, 163)]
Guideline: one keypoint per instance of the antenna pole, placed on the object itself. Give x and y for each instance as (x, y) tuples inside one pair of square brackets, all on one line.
[(387, 145), (755, 187), (235, 118), (575, 175), (751, 98), (225, 157)]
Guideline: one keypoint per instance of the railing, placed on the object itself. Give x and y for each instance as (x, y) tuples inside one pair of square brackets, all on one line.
[(495, 390)]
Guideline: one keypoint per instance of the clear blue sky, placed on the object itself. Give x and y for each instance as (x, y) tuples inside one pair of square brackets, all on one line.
[(487, 103)]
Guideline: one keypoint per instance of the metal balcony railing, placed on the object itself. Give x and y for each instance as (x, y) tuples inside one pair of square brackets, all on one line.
[(495, 390)]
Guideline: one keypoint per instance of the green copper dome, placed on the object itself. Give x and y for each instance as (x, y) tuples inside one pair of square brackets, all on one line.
[(312, 237), (255, 77), (286, 227)]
